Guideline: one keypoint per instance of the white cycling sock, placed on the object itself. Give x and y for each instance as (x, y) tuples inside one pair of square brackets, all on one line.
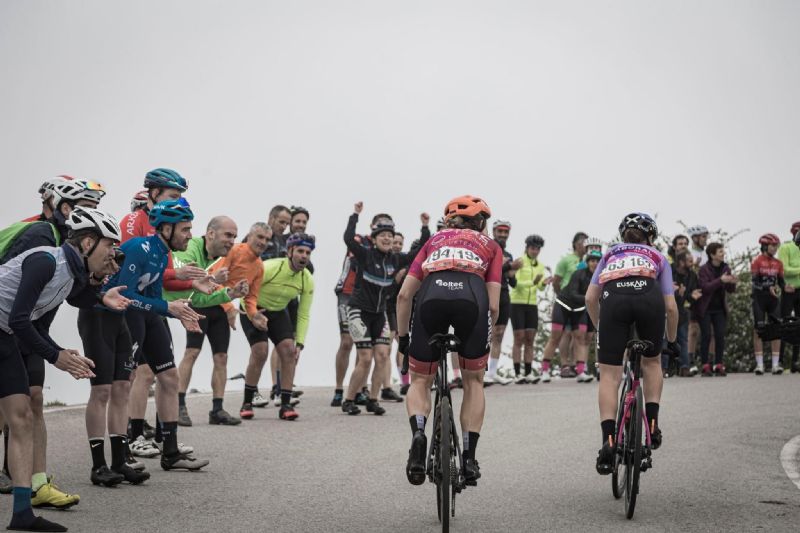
[(775, 360), (759, 360), (493, 366)]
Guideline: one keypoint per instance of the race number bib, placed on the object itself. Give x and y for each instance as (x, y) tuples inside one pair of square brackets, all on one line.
[(450, 258), (628, 266)]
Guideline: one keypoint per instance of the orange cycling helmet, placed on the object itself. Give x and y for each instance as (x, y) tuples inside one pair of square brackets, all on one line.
[(466, 206)]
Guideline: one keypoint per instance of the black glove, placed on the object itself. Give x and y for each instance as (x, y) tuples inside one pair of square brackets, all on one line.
[(673, 349), (402, 344)]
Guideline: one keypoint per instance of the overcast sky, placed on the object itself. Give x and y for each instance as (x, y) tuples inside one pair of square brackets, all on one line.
[(563, 115)]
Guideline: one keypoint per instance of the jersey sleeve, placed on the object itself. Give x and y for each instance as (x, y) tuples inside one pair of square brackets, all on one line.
[(171, 281), (665, 278), (415, 270), (304, 309), (130, 276), (494, 273), (37, 270)]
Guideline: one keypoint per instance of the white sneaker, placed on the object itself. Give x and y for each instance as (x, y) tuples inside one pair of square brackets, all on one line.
[(694, 370), (759, 370), (501, 380), (583, 377), (777, 370), (545, 376), (259, 401), (521, 379), (142, 447), (532, 378), (488, 380)]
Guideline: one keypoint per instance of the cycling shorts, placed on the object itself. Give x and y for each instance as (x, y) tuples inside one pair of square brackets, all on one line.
[(586, 323), (13, 376), (215, 326), (367, 329), (107, 342), (504, 311), (623, 307), (524, 316), (34, 364), (152, 340), (563, 318), (341, 312), (764, 305), (279, 328), (449, 298)]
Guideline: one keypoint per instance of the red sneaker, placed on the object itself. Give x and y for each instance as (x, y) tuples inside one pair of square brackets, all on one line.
[(246, 412), (719, 370), (707, 371)]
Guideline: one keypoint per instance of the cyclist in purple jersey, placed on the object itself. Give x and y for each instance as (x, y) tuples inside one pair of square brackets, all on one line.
[(632, 286)]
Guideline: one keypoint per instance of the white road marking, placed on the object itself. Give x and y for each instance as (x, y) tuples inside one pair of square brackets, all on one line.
[(790, 459)]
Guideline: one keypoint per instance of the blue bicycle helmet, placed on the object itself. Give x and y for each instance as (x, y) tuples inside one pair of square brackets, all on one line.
[(170, 212), (301, 239), (640, 221), (165, 178)]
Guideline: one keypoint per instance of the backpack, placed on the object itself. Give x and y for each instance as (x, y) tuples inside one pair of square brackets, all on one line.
[(9, 235)]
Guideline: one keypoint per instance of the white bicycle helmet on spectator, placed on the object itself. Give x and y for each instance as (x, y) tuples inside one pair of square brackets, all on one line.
[(594, 241), (694, 231), (501, 223), (85, 218)]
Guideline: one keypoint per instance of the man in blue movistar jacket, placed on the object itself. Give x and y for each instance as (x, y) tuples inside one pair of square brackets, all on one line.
[(31, 285), (142, 273)]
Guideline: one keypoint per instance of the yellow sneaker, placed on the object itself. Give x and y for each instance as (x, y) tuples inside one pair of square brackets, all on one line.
[(49, 495)]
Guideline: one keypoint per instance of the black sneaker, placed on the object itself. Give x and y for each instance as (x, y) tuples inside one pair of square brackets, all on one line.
[(350, 408), (297, 393), (374, 407), (104, 476), (389, 395), (38, 524), (337, 399), (415, 467), (795, 368), (404, 389), (605, 460), (223, 418), (182, 461), (472, 472), (132, 476), (656, 439)]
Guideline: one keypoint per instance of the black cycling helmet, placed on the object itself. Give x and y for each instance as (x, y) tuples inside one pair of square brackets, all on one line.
[(381, 226), (640, 221), (534, 240)]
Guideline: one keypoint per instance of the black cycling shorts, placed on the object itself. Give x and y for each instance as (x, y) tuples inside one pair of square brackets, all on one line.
[(13, 376), (565, 319), (524, 316), (765, 304), (152, 340), (367, 329), (215, 326), (279, 328), (106, 341), (292, 310), (504, 309), (34, 364), (586, 323), (341, 312), (621, 306), (449, 298)]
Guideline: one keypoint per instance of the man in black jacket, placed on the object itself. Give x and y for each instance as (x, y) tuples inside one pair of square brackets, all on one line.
[(687, 291)]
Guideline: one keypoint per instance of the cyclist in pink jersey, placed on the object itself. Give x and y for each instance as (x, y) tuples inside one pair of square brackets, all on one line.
[(631, 286), (456, 280)]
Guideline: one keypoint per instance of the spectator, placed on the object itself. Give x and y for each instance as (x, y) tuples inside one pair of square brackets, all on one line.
[(699, 236), (789, 255), (680, 243), (686, 293), (712, 308)]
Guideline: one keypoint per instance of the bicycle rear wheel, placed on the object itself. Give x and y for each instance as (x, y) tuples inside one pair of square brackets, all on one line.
[(634, 455), (445, 455), (617, 480)]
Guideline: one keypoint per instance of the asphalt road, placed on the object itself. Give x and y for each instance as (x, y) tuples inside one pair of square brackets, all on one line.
[(719, 468)]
